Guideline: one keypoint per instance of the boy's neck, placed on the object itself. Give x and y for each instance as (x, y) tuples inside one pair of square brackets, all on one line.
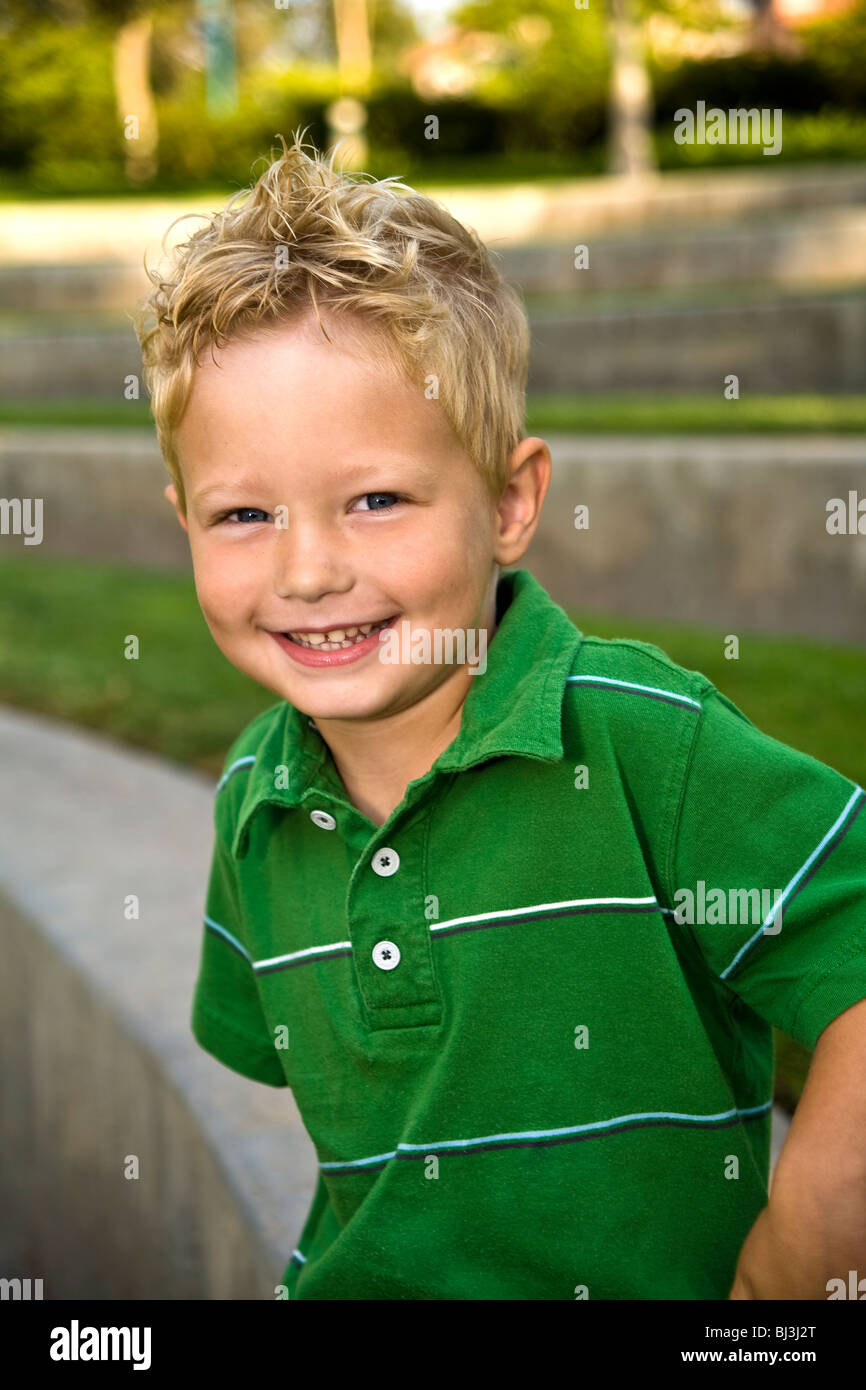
[(377, 761)]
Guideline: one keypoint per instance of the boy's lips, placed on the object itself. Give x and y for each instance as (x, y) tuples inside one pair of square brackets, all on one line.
[(335, 656)]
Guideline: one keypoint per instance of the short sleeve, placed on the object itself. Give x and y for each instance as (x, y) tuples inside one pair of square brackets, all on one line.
[(227, 1017), (771, 845)]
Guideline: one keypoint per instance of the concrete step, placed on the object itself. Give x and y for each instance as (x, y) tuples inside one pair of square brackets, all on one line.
[(797, 343), (725, 531), (783, 343), (808, 248)]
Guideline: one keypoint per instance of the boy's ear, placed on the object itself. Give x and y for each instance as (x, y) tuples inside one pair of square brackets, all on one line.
[(171, 494)]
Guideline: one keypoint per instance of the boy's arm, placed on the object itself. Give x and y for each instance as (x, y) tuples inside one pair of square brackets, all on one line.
[(814, 1226)]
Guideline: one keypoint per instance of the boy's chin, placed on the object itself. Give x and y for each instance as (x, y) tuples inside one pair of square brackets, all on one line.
[(357, 704)]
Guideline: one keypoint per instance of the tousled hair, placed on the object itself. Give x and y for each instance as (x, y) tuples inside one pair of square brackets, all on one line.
[(307, 234)]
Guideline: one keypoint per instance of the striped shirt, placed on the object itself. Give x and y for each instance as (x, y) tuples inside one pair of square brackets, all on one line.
[(528, 1021)]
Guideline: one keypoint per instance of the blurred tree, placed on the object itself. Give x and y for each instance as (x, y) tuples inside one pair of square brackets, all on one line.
[(630, 111), (393, 31), (768, 35), (217, 21), (132, 21), (347, 116), (594, 49), (554, 61), (132, 24)]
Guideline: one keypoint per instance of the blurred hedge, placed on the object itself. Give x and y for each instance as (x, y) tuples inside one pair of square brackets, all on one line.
[(59, 131)]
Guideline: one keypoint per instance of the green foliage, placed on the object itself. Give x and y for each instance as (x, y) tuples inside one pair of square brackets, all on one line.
[(792, 1068), (57, 109), (746, 80), (538, 106), (828, 135), (653, 411), (837, 45), (553, 75)]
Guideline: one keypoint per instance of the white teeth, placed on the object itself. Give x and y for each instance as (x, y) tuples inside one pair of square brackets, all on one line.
[(337, 639)]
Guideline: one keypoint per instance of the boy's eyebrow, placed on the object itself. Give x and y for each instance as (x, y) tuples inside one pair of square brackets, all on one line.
[(227, 487), (245, 484)]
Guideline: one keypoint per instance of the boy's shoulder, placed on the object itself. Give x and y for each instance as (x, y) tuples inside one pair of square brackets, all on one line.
[(653, 700), (626, 662)]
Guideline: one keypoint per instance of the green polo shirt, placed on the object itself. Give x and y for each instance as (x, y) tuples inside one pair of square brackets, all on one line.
[(533, 1053)]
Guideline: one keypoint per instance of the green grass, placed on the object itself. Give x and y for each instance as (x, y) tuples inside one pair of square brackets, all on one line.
[(63, 634), (63, 414), (650, 412), (654, 412), (62, 642)]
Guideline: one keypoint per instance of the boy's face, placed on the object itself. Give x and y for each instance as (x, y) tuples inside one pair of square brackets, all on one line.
[(383, 517)]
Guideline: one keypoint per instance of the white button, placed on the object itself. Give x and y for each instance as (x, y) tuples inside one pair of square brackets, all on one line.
[(386, 955), (386, 862), (323, 820)]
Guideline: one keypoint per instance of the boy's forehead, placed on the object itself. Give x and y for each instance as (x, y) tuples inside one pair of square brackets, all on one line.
[(352, 343), (289, 376)]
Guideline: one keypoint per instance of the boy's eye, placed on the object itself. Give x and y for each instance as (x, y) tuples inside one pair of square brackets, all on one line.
[(245, 514), (375, 502), (380, 501)]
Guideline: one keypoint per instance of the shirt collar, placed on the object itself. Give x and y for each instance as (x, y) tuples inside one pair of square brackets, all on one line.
[(513, 707)]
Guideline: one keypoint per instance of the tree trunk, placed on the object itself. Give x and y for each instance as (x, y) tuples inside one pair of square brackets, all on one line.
[(630, 148), (347, 116), (135, 103)]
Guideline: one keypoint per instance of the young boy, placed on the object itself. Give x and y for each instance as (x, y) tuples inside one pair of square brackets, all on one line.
[(484, 889)]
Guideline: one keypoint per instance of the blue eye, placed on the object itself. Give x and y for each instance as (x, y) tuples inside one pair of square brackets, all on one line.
[(378, 496), (244, 513)]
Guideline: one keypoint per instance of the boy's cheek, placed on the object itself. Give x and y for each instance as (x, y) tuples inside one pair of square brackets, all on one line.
[(221, 601)]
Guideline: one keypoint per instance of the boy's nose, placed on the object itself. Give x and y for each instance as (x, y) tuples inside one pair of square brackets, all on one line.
[(307, 561)]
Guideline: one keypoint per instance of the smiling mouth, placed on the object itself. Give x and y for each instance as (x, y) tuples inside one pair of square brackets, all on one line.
[(338, 638)]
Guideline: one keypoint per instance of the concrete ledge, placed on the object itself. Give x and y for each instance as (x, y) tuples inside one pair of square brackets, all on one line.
[(102, 492), (814, 344), (50, 367), (783, 343), (99, 1062), (728, 531), (801, 249), (805, 247)]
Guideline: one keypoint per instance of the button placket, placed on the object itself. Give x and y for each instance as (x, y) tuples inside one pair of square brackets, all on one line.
[(389, 933)]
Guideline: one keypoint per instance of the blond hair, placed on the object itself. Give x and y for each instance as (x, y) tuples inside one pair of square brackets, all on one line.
[(378, 249)]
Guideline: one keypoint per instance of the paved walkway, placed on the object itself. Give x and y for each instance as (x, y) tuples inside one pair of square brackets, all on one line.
[(118, 229)]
